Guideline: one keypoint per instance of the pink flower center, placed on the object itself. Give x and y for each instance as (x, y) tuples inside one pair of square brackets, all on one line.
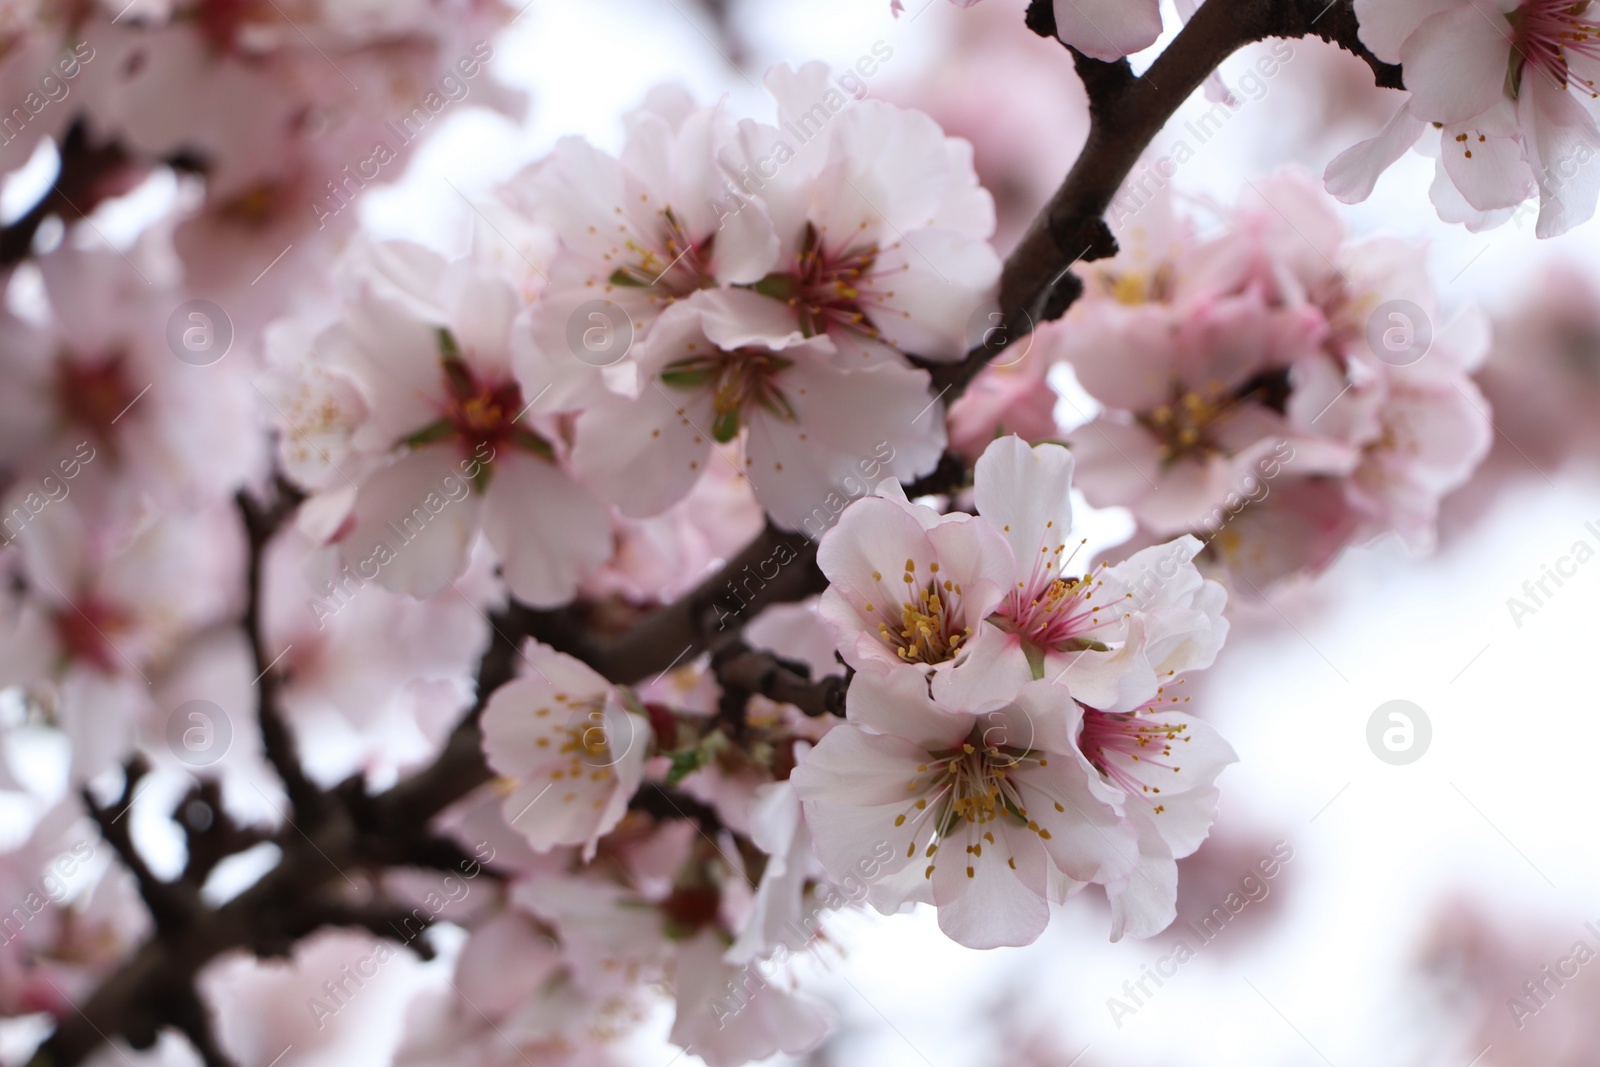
[(1186, 425), (480, 415), (1059, 616), (84, 631), (831, 290), (677, 267), (1109, 740), (1547, 33), (94, 393)]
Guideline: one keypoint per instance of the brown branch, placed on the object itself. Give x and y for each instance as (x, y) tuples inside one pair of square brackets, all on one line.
[(88, 174), (171, 904), (261, 522)]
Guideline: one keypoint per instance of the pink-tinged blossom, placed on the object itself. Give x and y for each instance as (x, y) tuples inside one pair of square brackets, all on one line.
[(789, 417), (1107, 635), (1164, 765), (96, 394), (448, 444), (374, 680), (1510, 86), (1190, 405), (882, 225), (988, 817), (983, 604), (1283, 390), (674, 931), (1010, 396), (572, 746), (909, 589), (106, 607), (640, 231)]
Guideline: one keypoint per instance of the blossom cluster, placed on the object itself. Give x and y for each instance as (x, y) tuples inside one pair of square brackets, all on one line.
[(1274, 388), (1012, 734)]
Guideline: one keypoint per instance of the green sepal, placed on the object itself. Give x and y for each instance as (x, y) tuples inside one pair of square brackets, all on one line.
[(725, 427), (448, 349), (430, 434), (621, 277), (778, 286), (526, 439), (687, 376), (1035, 657)]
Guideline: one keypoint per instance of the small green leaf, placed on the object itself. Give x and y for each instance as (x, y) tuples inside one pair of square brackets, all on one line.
[(684, 763), (447, 344), (432, 433), (1035, 656), (778, 286), (532, 442), (620, 276), (726, 426), (1084, 644), (687, 376)]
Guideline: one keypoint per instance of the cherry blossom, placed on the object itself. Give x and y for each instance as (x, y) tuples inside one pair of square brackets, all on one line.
[(564, 730), (448, 445), (1171, 814), (787, 417), (909, 784), (1509, 85)]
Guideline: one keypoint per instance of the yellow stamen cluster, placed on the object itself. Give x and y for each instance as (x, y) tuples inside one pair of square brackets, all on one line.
[(973, 786), (927, 631), (1186, 424)]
